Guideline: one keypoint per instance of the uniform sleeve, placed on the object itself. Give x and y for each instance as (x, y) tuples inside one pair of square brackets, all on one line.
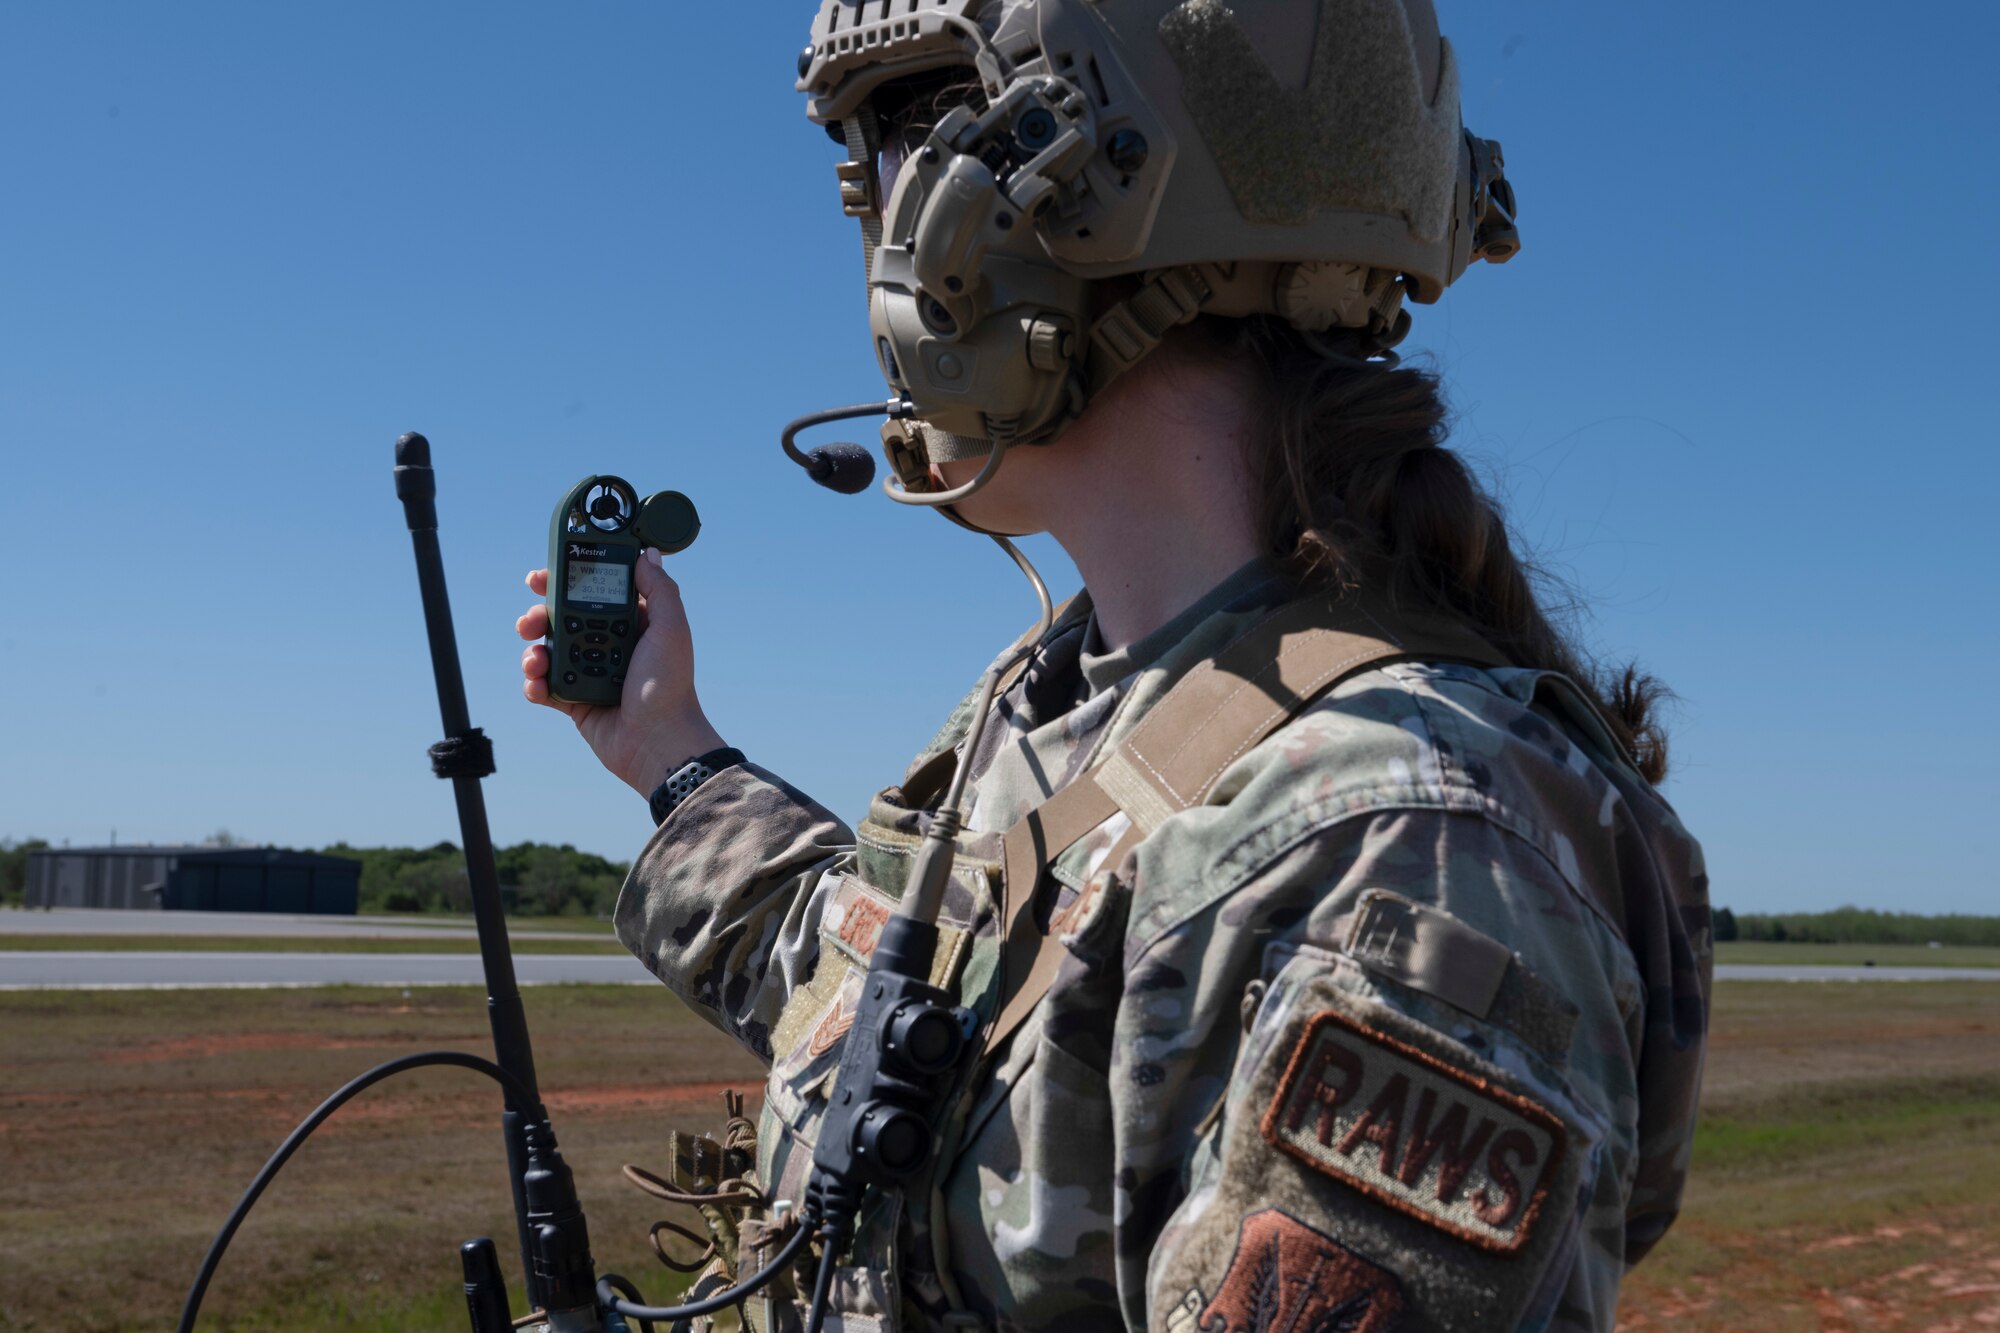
[(1381, 1078), (723, 904)]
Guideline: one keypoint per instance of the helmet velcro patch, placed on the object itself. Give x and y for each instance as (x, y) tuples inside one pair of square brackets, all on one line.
[(1360, 135)]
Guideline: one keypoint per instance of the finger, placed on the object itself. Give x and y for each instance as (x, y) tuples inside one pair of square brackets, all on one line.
[(535, 689), (534, 622), (535, 661), (538, 582), (653, 580)]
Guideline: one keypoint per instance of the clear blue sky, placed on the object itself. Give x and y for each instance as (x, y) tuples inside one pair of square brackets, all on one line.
[(1738, 388)]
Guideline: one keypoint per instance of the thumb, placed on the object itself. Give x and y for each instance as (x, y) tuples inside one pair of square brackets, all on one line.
[(654, 581)]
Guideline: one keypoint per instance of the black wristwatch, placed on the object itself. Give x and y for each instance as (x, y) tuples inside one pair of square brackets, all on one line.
[(680, 783)]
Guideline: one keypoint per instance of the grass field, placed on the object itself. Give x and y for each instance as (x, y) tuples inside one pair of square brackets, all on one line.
[(1855, 955), (1847, 1169), (1847, 1174), (594, 937), (130, 1121), (587, 944)]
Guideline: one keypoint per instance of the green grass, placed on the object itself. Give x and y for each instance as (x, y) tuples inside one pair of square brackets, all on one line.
[(291, 944), (1774, 1136), (1846, 1166), (1856, 955), (1846, 1171), (130, 1121)]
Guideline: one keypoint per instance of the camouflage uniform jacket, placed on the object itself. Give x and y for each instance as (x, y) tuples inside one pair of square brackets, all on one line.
[(1402, 1028)]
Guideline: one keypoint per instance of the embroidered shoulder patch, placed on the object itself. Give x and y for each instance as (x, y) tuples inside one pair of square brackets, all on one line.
[(1286, 1276), (1445, 1146)]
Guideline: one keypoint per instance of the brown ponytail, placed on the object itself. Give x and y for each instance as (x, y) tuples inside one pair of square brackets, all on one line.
[(1352, 471)]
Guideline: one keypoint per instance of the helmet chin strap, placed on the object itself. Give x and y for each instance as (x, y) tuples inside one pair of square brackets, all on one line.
[(893, 487)]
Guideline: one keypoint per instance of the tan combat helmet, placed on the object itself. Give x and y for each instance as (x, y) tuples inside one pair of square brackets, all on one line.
[(1112, 168)]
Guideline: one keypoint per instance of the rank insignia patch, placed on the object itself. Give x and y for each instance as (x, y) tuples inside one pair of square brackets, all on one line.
[(1285, 1276), (1445, 1146)]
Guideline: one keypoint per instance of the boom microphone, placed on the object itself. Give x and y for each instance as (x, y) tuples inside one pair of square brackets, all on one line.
[(846, 468)]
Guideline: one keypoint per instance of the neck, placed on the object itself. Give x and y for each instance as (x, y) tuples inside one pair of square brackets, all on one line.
[(1160, 508)]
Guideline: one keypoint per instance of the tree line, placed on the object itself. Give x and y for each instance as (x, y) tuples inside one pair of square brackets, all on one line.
[(14, 869), (1855, 925), (536, 879), (541, 879)]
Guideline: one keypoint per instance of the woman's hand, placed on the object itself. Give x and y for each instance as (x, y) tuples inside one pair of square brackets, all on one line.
[(658, 722)]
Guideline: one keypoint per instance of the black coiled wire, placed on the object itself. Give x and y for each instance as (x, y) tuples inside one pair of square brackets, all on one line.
[(609, 1287), (517, 1096)]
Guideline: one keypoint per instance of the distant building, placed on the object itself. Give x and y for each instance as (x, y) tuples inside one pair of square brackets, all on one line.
[(194, 879)]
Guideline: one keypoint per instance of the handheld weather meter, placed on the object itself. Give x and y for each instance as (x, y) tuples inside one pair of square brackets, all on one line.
[(594, 542)]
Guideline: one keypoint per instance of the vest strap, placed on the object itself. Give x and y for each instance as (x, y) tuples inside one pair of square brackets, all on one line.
[(1228, 704), (1027, 849), (1040, 974), (1173, 759)]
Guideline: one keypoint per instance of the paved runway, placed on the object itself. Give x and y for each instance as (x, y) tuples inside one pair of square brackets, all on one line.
[(1788, 972), (81, 970)]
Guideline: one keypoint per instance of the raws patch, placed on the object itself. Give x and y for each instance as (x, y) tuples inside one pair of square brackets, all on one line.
[(1445, 1146)]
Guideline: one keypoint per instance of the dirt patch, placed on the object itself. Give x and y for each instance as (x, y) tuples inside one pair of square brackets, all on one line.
[(645, 1097), (1871, 1033), (1960, 1289), (1842, 1283), (204, 1047)]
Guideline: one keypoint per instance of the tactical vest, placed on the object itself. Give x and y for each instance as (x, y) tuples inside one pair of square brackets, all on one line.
[(998, 951)]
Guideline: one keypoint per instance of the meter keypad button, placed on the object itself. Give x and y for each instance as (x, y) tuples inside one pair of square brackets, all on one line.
[(618, 627), (597, 638), (617, 658), (571, 624), (575, 653), (593, 671), (593, 654), (597, 624), (569, 677)]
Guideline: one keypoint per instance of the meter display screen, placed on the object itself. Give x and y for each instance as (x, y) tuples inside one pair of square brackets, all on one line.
[(598, 581)]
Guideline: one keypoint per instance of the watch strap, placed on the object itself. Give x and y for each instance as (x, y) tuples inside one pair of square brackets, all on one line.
[(686, 777)]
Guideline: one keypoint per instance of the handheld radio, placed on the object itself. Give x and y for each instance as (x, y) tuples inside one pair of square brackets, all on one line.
[(594, 541)]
